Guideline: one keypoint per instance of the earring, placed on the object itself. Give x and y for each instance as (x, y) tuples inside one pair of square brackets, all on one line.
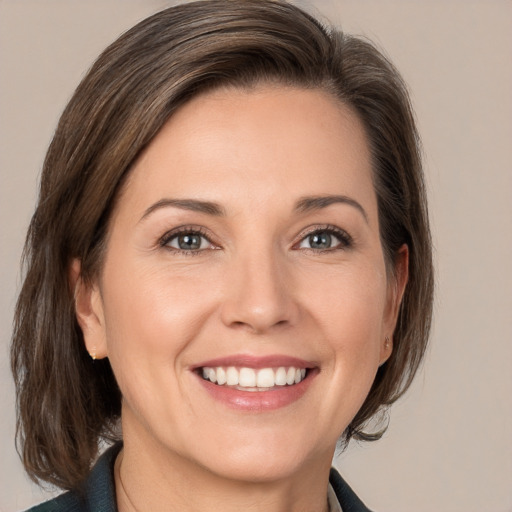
[(386, 347), (93, 354)]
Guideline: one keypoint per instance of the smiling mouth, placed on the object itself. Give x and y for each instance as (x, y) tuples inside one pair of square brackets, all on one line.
[(250, 379)]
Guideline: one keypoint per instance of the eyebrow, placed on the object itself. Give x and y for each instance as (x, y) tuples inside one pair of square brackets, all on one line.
[(303, 205), (312, 203), (186, 204)]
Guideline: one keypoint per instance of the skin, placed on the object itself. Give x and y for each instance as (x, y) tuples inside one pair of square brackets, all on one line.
[(255, 287)]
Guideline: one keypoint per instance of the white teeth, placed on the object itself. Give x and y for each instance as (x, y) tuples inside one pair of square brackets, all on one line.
[(254, 380), (210, 374), (290, 376), (232, 376), (281, 376), (247, 378), (265, 378), (221, 376)]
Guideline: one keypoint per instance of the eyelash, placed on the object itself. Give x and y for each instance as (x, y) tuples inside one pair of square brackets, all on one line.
[(344, 238), (346, 241), (185, 230)]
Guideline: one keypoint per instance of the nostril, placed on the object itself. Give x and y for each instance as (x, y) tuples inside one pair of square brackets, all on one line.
[(258, 327), (239, 324)]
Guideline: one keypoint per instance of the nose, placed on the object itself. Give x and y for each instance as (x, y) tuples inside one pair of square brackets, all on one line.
[(259, 293)]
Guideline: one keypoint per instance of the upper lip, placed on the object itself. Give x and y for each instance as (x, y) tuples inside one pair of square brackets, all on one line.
[(250, 361)]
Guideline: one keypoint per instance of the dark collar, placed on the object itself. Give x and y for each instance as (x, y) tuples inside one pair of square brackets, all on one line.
[(96, 495), (100, 490), (346, 496)]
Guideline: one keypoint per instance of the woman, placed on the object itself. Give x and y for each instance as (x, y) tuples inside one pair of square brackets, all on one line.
[(229, 267)]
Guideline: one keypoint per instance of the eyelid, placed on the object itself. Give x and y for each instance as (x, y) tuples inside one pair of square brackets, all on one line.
[(164, 240), (344, 237)]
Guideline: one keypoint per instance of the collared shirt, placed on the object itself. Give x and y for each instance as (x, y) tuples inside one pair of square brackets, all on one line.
[(332, 500), (98, 493)]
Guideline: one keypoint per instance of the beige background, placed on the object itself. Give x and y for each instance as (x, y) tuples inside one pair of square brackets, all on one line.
[(449, 445)]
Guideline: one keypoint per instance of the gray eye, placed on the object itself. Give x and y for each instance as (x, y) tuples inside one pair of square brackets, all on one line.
[(324, 239), (321, 240), (189, 242)]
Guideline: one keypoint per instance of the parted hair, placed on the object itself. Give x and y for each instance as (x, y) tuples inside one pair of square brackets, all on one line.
[(66, 402)]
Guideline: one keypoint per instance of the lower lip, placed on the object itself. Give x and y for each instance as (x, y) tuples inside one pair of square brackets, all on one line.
[(258, 401)]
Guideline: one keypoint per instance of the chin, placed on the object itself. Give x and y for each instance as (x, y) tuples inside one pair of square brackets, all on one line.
[(269, 467), (264, 457)]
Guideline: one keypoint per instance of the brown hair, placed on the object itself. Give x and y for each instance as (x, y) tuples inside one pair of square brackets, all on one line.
[(67, 403)]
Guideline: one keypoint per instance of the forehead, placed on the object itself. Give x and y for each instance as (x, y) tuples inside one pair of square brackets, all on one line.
[(243, 146)]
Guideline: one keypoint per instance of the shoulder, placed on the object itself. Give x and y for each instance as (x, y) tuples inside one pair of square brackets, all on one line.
[(97, 494), (346, 496)]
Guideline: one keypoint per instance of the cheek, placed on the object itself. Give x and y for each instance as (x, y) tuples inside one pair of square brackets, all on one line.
[(150, 319), (349, 308), (153, 313), (350, 302)]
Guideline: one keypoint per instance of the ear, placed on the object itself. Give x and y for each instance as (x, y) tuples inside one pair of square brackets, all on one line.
[(396, 289), (89, 312)]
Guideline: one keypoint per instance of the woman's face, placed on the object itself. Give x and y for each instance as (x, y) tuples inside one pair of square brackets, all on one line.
[(244, 300)]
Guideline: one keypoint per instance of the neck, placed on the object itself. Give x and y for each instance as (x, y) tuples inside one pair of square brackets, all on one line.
[(148, 477)]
